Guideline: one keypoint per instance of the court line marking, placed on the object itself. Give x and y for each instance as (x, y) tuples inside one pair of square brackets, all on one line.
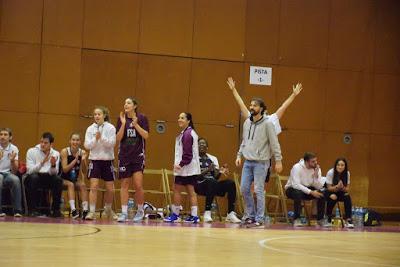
[(97, 230), (263, 243)]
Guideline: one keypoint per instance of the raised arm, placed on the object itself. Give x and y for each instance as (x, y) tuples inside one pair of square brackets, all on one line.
[(243, 109), (296, 90)]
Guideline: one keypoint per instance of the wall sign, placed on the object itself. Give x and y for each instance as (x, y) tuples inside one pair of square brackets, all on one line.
[(260, 75)]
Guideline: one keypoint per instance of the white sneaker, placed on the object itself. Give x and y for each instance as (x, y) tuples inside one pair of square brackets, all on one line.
[(349, 225), (110, 214), (138, 216), (232, 217), (297, 223), (2, 214), (324, 223), (90, 216), (207, 216)]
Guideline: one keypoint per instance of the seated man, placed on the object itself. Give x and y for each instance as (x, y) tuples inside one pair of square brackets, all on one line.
[(306, 183), (209, 186), (42, 163), (8, 168)]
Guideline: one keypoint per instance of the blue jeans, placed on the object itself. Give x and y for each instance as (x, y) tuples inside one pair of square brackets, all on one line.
[(12, 181), (254, 171)]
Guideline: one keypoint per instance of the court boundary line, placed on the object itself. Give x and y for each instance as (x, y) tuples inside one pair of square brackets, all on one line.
[(97, 230), (263, 243)]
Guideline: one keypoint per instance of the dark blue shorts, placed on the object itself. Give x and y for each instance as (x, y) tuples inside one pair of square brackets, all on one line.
[(101, 169)]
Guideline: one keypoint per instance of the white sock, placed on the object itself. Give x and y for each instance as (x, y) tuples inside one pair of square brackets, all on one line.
[(92, 207), (140, 207), (108, 206), (124, 209), (72, 204), (85, 205), (175, 209), (193, 211)]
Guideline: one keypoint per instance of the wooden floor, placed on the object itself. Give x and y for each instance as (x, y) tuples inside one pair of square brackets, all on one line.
[(55, 243)]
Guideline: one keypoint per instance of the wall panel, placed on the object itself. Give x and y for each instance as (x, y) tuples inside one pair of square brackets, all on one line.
[(111, 25), (166, 27), (387, 52), (163, 86), (219, 29), (348, 101), (209, 91), (351, 34), (304, 33), (107, 78), (386, 104), (21, 21), (383, 164), (19, 77), (63, 22), (307, 110), (262, 30), (60, 80)]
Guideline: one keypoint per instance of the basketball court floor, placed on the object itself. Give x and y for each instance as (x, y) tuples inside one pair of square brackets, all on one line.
[(39, 242)]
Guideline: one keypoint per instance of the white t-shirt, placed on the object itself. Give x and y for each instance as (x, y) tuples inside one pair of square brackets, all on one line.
[(329, 177), (275, 121), (5, 163)]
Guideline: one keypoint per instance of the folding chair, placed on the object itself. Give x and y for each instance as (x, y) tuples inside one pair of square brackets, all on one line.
[(276, 193), (150, 181)]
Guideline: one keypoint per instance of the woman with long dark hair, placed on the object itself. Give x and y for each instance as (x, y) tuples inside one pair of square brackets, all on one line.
[(132, 133), (186, 168), (338, 184)]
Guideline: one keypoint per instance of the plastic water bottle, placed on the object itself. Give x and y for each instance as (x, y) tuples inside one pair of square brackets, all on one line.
[(62, 204), (267, 221), (72, 174), (131, 205), (213, 211)]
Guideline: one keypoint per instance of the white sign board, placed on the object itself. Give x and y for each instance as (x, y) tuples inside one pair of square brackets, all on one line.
[(260, 75)]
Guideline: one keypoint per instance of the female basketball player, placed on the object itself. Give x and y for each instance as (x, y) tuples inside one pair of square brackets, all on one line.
[(132, 131), (100, 140), (186, 168)]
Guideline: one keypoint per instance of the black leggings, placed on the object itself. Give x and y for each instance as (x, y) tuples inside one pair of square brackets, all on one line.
[(211, 187), (341, 196), (298, 196)]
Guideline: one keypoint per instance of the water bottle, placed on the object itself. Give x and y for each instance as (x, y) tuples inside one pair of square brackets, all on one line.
[(267, 221), (72, 174), (131, 205), (213, 211), (303, 220), (62, 204)]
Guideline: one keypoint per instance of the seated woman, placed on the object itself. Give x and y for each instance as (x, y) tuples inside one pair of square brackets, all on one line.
[(71, 162), (338, 185)]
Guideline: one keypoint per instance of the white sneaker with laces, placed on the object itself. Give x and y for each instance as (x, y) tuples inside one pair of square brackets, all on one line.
[(324, 223), (207, 216), (90, 216), (297, 223), (232, 217), (110, 214), (2, 214), (349, 225), (138, 216)]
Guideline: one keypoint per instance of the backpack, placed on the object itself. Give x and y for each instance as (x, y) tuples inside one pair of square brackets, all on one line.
[(372, 218)]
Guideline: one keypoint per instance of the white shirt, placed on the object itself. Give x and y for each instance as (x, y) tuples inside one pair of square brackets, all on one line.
[(102, 149), (34, 158), (5, 163), (301, 178), (329, 177), (214, 160), (275, 121)]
